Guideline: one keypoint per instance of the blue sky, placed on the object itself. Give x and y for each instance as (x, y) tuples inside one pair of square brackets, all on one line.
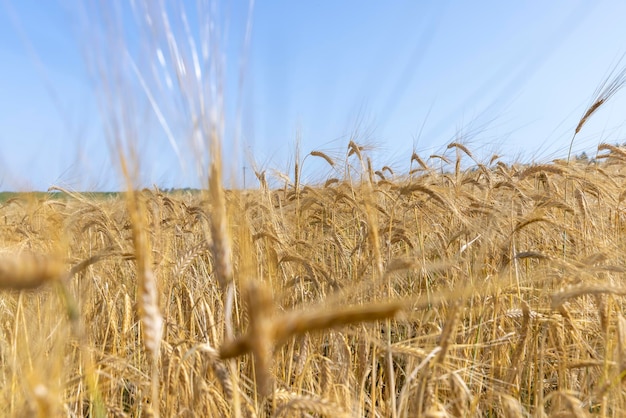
[(505, 77)]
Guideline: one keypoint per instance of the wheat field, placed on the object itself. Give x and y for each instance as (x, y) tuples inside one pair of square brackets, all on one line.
[(468, 289), (449, 287)]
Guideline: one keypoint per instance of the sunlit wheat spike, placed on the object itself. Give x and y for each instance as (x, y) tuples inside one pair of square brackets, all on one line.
[(331, 181), (188, 257), (324, 156), (411, 188), (440, 157), (521, 225), (220, 370), (615, 151), (149, 313), (388, 169), (416, 157), (606, 90), (581, 201), (260, 175), (147, 293), (590, 111), (300, 358), (266, 234), (353, 148), (541, 168), (461, 147)]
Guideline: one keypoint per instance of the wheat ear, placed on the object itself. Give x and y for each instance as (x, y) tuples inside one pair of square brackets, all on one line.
[(28, 271)]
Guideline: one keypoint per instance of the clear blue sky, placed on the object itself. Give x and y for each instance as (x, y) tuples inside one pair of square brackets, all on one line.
[(505, 77)]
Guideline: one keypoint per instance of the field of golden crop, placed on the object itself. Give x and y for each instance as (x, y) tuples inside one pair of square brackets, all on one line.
[(454, 289)]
